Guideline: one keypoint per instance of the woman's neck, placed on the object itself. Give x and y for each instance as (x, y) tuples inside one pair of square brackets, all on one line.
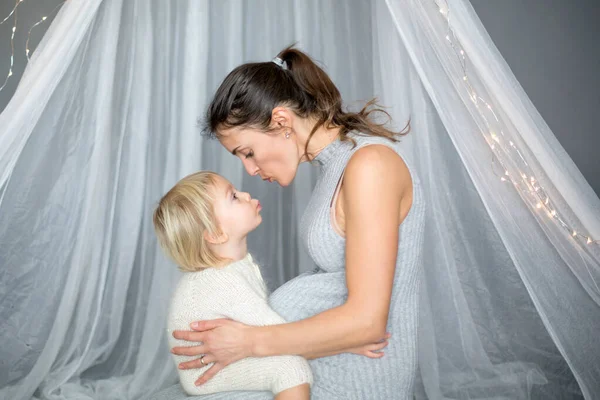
[(322, 137)]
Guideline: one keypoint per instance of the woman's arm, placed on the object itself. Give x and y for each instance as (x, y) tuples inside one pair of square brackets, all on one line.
[(375, 181), (372, 350)]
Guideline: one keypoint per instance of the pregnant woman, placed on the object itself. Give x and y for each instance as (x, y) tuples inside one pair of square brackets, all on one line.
[(363, 227)]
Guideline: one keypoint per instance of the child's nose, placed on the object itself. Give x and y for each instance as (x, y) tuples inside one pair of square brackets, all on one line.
[(247, 196)]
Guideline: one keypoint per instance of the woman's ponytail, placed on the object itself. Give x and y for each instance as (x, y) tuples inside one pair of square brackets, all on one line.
[(250, 92), (314, 83)]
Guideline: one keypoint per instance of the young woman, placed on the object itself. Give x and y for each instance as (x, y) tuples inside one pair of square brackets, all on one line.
[(363, 228)]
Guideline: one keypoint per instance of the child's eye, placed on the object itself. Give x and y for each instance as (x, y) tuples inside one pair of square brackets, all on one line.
[(234, 196), (250, 154)]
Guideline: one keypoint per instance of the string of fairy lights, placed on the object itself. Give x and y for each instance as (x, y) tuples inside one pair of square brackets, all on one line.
[(14, 14), (500, 145)]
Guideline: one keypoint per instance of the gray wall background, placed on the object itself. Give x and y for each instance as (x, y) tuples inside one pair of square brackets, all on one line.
[(28, 13), (551, 46)]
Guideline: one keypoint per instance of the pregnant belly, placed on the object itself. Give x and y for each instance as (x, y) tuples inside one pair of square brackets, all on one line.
[(349, 376), (309, 294)]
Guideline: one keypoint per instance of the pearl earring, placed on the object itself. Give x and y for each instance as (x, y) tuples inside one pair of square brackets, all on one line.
[(287, 135)]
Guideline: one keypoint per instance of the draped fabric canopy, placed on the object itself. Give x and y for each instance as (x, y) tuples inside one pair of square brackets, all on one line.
[(105, 120)]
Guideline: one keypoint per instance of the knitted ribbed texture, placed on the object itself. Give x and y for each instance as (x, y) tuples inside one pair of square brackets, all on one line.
[(350, 376), (236, 291)]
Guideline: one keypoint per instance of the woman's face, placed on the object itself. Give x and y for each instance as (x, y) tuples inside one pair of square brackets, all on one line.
[(270, 155)]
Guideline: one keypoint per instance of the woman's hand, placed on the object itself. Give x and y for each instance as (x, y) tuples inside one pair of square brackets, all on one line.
[(372, 350), (223, 342)]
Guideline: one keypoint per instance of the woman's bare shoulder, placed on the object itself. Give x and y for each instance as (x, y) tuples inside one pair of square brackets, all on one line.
[(378, 164)]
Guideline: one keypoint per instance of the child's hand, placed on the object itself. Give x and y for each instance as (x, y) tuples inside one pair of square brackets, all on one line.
[(372, 350)]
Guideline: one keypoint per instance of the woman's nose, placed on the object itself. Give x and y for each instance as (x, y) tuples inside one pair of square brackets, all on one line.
[(251, 168)]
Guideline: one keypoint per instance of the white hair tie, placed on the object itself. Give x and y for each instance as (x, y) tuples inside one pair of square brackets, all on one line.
[(280, 62)]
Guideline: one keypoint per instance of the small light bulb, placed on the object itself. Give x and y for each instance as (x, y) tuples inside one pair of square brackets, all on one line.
[(14, 28), (553, 212), (524, 176), (441, 10), (589, 241), (447, 37), (511, 143), (506, 173), (503, 179), (462, 52), (44, 18), (464, 78), (10, 73), (574, 233), (547, 200), (539, 205)]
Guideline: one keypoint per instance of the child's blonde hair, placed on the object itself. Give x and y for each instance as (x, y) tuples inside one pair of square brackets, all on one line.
[(182, 216)]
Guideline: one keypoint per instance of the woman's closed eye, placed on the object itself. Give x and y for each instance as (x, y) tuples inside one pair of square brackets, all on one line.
[(234, 196), (250, 154)]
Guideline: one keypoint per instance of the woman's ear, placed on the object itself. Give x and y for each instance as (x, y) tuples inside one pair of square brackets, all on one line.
[(281, 118), (215, 238)]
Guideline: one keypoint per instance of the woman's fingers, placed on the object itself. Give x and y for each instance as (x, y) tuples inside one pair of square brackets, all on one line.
[(201, 362), (189, 350), (373, 350), (202, 326), (386, 337), (196, 363), (208, 359), (371, 354), (377, 346), (208, 374), (199, 330), (190, 336)]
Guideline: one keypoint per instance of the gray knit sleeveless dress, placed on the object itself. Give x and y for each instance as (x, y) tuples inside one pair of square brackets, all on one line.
[(350, 376)]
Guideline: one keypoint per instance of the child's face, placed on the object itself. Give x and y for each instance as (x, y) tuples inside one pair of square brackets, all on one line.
[(237, 213)]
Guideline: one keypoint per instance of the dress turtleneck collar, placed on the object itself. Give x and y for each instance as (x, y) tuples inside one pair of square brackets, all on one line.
[(331, 151)]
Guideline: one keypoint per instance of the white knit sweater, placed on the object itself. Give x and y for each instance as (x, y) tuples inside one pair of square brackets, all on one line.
[(236, 291)]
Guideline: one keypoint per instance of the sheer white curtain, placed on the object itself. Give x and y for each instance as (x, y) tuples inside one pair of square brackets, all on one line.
[(509, 286), (105, 120)]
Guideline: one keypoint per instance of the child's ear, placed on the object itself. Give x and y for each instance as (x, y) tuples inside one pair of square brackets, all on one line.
[(215, 238)]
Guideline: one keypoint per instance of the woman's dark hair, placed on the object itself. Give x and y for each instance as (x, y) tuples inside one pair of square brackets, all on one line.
[(251, 91)]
